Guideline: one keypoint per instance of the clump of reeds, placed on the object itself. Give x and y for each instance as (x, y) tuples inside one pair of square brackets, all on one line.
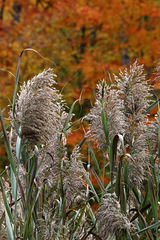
[(49, 194)]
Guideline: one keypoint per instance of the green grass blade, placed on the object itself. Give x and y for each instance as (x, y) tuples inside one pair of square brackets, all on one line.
[(94, 157), (123, 199), (6, 127), (13, 184), (69, 117), (145, 199), (13, 178), (22, 193), (74, 123), (91, 169), (18, 147), (155, 225), (8, 149), (91, 187), (126, 177), (105, 126), (17, 75), (6, 169), (110, 185), (153, 198), (29, 213), (91, 214), (2, 220), (147, 231), (9, 227), (35, 165), (118, 181), (152, 106), (6, 204), (16, 83), (79, 221), (146, 111), (34, 169), (152, 162), (113, 159), (15, 127), (82, 142)]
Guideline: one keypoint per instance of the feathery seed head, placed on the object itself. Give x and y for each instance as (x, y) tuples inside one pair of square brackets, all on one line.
[(112, 108), (39, 109), (74, 181), (133, 91), (110, 220)]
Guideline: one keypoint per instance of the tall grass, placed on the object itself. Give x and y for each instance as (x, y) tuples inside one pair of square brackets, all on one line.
[(48, 194)]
